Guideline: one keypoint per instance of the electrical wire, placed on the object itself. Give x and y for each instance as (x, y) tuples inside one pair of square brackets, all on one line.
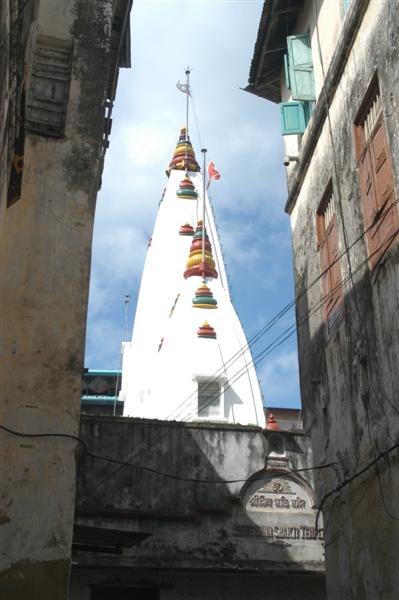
[(14, 25), (378, 475), (113, 460), (271, 347), (196, 119), (102, 457), (124, 463), (362, 330), (336, 533), (252, 341), (349, 480), (265, 352)]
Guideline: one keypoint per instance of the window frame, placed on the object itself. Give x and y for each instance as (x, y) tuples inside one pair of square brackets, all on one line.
[(376, 214)]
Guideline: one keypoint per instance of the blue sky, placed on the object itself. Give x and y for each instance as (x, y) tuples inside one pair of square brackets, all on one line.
[(242, 135)]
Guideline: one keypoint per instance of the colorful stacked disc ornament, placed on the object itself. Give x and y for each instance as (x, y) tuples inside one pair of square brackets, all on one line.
[(186, 229), (195, 264), (204, 298), (184, 156), (206, 331), (187, 189)]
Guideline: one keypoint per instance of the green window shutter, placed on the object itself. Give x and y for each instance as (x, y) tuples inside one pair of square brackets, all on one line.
[(292, 118), (301, 67), (287, 72)]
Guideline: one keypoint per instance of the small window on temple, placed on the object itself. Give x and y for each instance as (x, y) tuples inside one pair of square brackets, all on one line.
[(380, 212), (328, 246), (209, 399)]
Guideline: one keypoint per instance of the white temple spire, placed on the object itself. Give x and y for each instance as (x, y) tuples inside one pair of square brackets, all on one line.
[(188, 358)]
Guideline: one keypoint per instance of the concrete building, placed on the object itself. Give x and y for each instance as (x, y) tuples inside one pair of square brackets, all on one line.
[(199, 510), (59, 64), (188, 358), (333, 67)]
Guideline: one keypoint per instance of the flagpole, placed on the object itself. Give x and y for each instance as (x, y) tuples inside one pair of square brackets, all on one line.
[(187, 101), (203, 150)]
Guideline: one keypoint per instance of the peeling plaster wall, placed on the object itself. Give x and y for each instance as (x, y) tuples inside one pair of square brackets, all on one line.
[(45, 247), (190, 527), (349, 376)]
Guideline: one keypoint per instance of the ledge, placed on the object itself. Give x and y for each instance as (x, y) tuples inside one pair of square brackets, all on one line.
[(164, 423)]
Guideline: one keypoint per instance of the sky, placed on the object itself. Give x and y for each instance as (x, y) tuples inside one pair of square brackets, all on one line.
[(242, 135)]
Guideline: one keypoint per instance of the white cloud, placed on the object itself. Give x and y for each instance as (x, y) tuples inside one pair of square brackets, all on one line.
[(279, 377)]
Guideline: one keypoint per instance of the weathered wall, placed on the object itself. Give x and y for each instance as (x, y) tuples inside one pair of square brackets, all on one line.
[(45, 244), (349, 380), (149, 521)]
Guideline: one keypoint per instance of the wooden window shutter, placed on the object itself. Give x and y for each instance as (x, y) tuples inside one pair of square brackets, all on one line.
[(292, 118), (328, 246), (369, 201), (387, 212), (325, 273), (380, 212), (381, 165), (300, 66)]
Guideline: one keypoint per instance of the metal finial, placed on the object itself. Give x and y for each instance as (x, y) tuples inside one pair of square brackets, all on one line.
[(126, 300)]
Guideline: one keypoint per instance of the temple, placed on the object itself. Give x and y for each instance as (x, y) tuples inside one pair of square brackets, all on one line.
[(189, 358)]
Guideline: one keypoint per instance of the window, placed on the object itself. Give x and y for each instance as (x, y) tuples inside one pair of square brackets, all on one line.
[(299, 77), (378, 196), (328, 246), (49, 88), (209, 399)]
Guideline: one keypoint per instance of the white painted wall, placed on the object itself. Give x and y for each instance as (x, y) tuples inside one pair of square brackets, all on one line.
[(163, 384)]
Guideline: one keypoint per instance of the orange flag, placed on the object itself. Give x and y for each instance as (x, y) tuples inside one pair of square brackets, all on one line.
[(213, 172)]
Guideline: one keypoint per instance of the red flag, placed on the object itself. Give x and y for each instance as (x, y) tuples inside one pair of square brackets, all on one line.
[(213, 172)]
